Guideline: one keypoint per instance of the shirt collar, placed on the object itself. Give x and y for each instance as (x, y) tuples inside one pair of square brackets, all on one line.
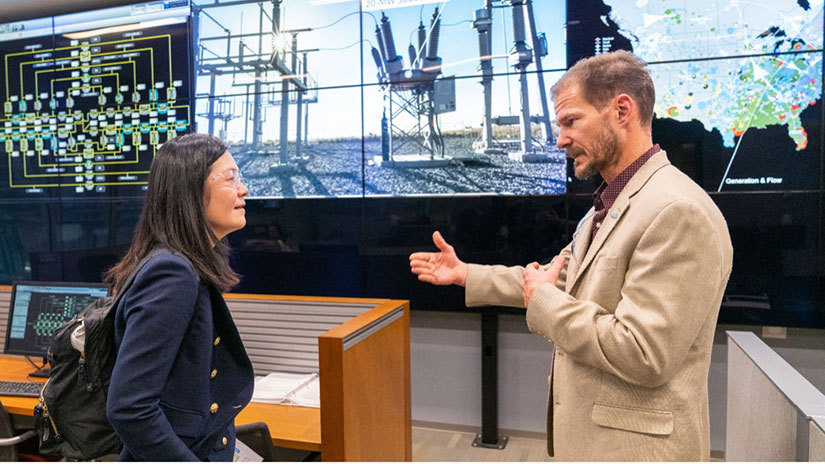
[(606, 194)]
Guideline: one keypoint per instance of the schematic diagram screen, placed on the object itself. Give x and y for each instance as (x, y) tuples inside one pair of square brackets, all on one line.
[(40, 308), (88, 98)]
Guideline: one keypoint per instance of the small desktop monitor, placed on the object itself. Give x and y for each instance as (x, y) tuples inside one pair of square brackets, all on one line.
[(39, 308)]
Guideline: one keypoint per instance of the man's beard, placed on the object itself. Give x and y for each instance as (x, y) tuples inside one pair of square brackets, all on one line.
[(605, 151)]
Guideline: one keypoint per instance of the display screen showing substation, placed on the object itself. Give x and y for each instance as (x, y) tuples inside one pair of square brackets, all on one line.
[(88, 98), (384, 99)]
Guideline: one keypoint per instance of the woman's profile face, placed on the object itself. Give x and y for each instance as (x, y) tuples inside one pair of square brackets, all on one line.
[(223, 197)]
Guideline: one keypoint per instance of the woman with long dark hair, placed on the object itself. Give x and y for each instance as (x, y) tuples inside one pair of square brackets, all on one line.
[(182, 373)]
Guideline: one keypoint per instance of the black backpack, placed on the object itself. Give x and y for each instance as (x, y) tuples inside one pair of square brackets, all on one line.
[(70, 418)]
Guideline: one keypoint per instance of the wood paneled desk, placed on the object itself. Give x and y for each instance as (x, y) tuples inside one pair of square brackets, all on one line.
[(290, 426), (360, 347)]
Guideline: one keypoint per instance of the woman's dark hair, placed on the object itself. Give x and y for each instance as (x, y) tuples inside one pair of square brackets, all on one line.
[(174, 217)]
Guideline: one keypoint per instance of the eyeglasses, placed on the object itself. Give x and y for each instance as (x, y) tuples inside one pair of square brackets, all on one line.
[(232, 176)]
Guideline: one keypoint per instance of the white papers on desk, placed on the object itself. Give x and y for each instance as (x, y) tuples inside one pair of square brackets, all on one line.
[(284, 388), (308, 395)]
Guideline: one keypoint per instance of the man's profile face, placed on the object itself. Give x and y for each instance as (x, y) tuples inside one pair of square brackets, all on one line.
[(585, 133)]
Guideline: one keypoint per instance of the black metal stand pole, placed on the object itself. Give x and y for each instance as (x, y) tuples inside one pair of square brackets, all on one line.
[(489, 438)]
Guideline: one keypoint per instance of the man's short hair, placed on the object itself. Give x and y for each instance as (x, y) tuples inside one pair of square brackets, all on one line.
[(602, 77)]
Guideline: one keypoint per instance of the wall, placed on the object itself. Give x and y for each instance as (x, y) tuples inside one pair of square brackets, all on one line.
[(817, 440), (445, 352), (445, 361)]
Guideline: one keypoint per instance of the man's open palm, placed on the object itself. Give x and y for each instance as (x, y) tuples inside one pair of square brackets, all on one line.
[(441, 268)]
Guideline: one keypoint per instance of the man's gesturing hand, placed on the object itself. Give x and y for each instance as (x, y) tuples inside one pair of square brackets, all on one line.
[(442, 268), (534, 277)]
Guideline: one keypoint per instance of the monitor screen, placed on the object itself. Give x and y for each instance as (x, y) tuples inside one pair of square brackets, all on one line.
[(382, 99), (87, 98), (39, 308), (738, 87)]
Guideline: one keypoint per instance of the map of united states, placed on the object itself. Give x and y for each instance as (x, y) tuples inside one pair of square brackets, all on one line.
[(732, 65)]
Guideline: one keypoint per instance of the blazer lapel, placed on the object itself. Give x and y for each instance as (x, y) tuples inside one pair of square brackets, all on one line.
[(581, 242), (608, 224), (615, 213), (226, 327)]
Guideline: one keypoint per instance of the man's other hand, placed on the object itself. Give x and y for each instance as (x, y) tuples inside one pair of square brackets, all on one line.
[(442, 268), (534, 277)]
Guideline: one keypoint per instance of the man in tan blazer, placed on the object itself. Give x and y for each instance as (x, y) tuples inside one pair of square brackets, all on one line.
[(631, 303)]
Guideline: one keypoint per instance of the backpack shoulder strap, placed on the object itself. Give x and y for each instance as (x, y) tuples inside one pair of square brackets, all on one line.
[(129, 280)]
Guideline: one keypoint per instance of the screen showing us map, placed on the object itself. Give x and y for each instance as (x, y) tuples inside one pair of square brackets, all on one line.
[(738, 83), (87, 98)]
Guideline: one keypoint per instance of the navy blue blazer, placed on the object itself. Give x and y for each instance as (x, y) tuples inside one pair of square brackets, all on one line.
[(182, 373)]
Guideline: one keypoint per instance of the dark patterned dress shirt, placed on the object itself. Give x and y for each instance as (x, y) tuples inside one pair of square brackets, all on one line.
[(606, 194)]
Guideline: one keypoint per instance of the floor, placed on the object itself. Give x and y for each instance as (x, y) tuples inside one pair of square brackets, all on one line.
[(431, 444)]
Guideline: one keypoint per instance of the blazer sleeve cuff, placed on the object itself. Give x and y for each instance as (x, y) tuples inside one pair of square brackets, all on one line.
[(476, 275), (494, 285), (545, 301)]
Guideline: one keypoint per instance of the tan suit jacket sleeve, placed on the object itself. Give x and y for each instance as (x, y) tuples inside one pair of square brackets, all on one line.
[(668, 293), (501, 285)]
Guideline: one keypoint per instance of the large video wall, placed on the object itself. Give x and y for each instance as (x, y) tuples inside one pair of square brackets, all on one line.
[(361, 129)]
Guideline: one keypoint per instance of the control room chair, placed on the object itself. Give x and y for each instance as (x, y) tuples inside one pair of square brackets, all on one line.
[(8, 439), (256, 436)]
